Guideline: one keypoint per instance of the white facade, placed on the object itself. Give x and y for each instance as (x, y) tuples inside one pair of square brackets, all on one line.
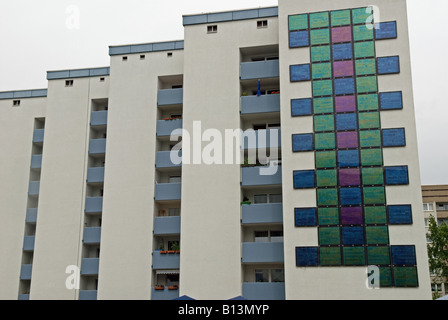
[(112, 204)]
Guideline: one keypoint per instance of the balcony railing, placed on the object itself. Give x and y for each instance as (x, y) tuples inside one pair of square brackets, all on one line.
[(260, 104), (261, 176), (263, 252), (95, 175), (94, 205), (28, 243), (34, 187), (97, 146), (90, 266), (31, 215), (168, 191), (166, 225), (92, 235), (166, 127), (170, 97), (36, 162), (260, 69), (98, 118), (164, 294), (38, 136), (26, 271), (264, 290), (262, 213), (163, 159), (88, 295), (165, 260)]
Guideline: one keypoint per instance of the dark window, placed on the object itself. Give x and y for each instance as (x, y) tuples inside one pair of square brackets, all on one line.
[(212, 29)]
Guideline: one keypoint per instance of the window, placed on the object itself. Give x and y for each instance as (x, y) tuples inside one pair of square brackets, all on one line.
[(436, 287), (69, 83), (16, 103), (268, 236), (212, 29), (262, 275), (124, 59), (176, 116), (277, 236), (277, 275), (275, 198), (175, 179), (142, 57), (169, 54), (261, 236), (428, 207), (174, 212), (177, 86), (102, 79), (262, 24), (426, 222), (263, 198), (267, 198)]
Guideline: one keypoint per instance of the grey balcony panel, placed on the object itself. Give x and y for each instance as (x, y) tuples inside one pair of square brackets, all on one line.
[(253, 176), (263, 252), (166, 127), (90, 266), (31, 215), (92, 235), (28, 243), (97, 146), (168, 191), (23, 297), (170, 97), (34, 187), (262, 213), (26, 272), (230, 16), (95, 175), (165, 294), (78, 73), (94, 205), (165, 261), (36, 162), (260, 70), (262, 139), (98, 118), (166, 225), (88, 295), (264, 290), (163, 159), (38, 136), (260, 104)]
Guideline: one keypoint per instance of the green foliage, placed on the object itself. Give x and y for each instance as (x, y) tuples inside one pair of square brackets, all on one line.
[(438, 249)]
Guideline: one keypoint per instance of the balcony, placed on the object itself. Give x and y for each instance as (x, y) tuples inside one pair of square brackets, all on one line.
[(26, 271), (262, 213), (163, 159), (88, 295), (31, 215), (164, 294), (261, 139), (90, 266), (170, 97), (95, 175), (24, 296), (92, 235), (166, 225), (166, 127), (261, 176), (264, 290), (36, 162), (168, 191), (38, 136), (162, 260), (28, 243), (260, 104), (260, 70), (97, 147), (263, 252), (34, 187), (98, 118), (94, 205)]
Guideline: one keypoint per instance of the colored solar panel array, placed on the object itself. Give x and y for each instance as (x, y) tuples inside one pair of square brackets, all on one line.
[(352, 214)]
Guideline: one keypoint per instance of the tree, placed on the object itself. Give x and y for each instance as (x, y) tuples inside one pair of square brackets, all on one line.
[(438, 250)]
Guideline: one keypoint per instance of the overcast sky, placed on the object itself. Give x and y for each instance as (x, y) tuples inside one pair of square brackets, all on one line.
[(38, 36)]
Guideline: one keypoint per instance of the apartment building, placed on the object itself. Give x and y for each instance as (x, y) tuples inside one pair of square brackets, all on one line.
[(316, 201), (435, 204)]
